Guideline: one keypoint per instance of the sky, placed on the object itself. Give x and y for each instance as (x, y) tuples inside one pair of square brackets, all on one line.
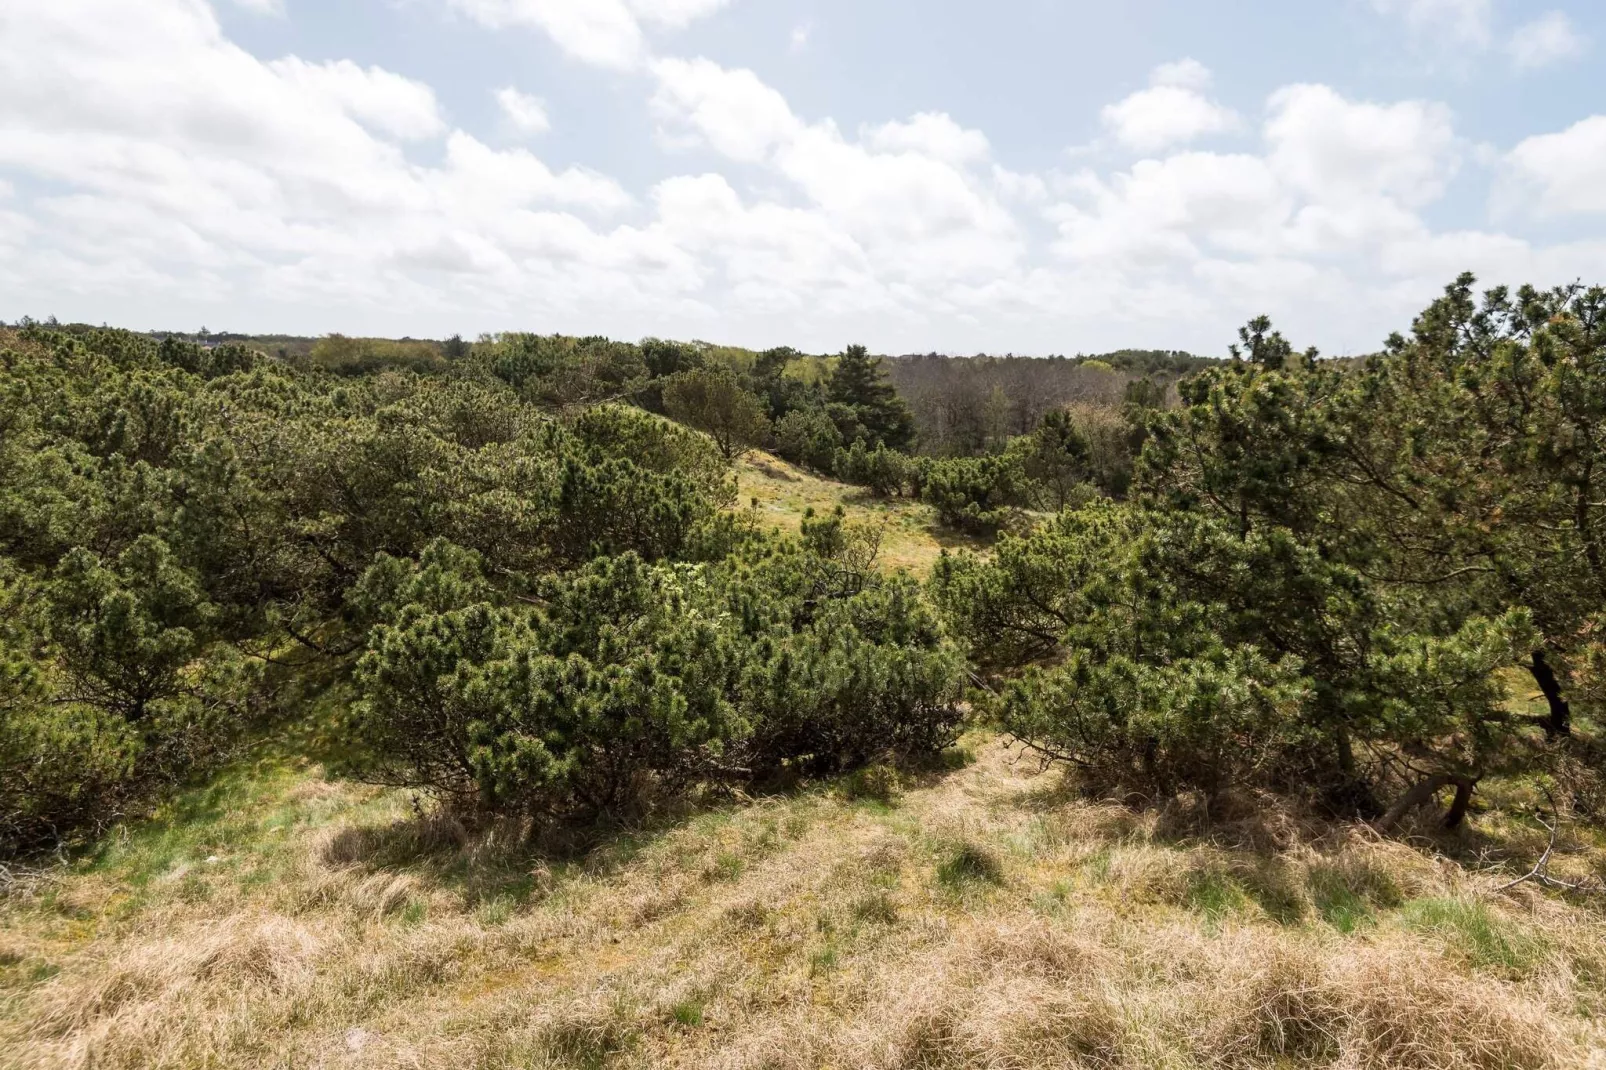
[(1028, 176)]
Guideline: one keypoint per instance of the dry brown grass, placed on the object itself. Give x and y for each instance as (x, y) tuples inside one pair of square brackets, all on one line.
[(810, 931)]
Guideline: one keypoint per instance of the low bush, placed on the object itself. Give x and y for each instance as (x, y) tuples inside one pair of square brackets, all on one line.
[(867, 677), (887, 473), (619, 687), (632, 680), (807, 437), (976, 494), (106, 700)]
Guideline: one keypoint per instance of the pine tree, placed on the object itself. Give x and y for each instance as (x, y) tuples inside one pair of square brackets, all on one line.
[(860, 383)]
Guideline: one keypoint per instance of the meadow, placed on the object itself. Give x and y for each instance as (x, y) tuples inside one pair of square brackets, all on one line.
[(979, 915)]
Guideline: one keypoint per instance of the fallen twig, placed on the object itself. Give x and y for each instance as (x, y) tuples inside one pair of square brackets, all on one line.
[(1540, 871), (19, 881)]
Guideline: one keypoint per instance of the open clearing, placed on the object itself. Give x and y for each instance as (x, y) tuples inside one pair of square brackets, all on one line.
[(911, 537), (978, 917)]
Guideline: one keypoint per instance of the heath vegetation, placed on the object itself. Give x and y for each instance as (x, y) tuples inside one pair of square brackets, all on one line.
[(564, 702)]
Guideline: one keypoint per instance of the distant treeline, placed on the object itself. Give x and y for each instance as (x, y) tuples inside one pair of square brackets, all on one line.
[(964, 406)]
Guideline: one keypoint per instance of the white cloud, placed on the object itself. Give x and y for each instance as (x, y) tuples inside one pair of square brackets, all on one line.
[(1172, 111), (1186, 73), (799, 39), (376, 98), (1164, 210), (1324, 216), (604, 32), (1447, 23), (174, 163), (674, 13), (151, 172), (261, 7), (1557, 174), (910, 194), (929, 134), (481, 180), (775, 259), (734, 111), (1341, 151), (1548, 39), (524, 113)]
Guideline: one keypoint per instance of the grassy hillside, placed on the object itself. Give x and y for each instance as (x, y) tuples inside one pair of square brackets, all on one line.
[(977, 917), (911, 537)]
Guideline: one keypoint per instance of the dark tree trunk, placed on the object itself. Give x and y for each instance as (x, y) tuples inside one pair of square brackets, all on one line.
[(1458, 806), (1423, 792), (1418, 795), (1560, 720), (1346, 753)]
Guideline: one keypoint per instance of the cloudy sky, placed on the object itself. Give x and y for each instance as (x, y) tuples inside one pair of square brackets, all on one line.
[(1025, 175)]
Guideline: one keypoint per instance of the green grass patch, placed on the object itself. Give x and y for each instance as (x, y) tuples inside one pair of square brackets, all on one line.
[(911, 537), (1097, 865), (1275, 889), (1213, 893), (873, 783), (968, 864), (824, 960), (688, 1013), (496, 911), (1475, 932), (726, 867), (1343, 909)]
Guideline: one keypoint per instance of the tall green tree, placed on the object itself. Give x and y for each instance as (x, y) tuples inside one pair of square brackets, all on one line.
[(713, 401), (1056, 460), (859, 383), (1486, 456)]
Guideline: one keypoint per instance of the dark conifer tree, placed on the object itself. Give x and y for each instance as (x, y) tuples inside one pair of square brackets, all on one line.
[(860, 383)]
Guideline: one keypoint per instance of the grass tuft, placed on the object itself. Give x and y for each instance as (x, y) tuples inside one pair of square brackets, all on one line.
[(688, 1013), (967, 863), (1213, 893), (878, 783), (1474, 931)]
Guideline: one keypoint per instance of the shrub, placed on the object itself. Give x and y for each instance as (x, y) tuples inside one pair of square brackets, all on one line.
[(613, 506), (619, 688), (976, 494), (559, 371), (361, 356), (62, 768), (886, 472), (1239, 622), (655, 445), (119, 709), (127, 632), (808, 437), (1203, 722), (1055, 460), (866, 677), (1113, 440)]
